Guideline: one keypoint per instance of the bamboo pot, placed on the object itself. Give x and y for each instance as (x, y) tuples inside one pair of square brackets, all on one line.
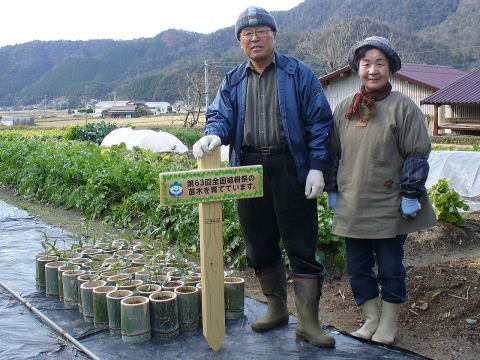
[(143, 275), (187, 307), (129, 285), (114, 299), (148, 289), (171, 285), (135, 319), (86, 294), (51, 277), (100, 312), (83, 279), (40, 266), (61, 270), (70, 288), (164, 314), (234, 297)]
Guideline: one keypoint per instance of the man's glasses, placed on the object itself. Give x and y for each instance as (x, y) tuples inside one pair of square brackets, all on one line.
[(248, 35)]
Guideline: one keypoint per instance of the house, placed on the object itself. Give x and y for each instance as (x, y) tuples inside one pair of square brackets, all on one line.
[(14, 120), (461, 99), (417, 81), (158, 108), (102, 107), (179, 107), (126, 111), (139, 103)]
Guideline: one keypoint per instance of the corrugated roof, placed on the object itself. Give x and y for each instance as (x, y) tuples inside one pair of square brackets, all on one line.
[(123, 108), (432, 77), (465, 90)]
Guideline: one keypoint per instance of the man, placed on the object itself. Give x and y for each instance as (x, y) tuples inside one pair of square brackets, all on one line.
[(271, 110)]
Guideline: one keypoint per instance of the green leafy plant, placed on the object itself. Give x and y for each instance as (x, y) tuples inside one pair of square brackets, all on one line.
[(49, 247), (326, 238), (94, 132), (446, 202), (186, 136), (120, 187)]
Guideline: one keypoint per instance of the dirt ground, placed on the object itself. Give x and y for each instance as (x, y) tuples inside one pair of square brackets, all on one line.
[(440, 320)]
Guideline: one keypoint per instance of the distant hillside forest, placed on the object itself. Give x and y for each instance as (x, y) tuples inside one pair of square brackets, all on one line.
[(161, 68)]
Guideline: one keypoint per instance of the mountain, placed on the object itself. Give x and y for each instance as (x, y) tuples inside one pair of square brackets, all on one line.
[(430, 31)]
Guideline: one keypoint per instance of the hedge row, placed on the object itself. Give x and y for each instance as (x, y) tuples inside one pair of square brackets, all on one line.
[(456, 140)]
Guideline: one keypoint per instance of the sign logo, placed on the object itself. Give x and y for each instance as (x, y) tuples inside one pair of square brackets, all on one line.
[(176, 190)]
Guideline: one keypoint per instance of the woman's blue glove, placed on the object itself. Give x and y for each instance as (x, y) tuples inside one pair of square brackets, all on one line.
[(332, 200), (409, 207)]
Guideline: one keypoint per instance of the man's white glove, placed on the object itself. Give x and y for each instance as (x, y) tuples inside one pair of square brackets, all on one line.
[(206, 145), (314, 184)]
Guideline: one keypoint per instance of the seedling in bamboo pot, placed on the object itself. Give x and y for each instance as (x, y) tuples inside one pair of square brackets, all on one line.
[(147, 289)]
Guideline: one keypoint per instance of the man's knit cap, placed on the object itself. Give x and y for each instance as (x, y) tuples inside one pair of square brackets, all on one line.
[(254, 16), (380, 43)]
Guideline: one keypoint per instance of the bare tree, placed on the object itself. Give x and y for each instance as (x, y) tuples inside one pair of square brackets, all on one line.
[(192, 94), (331, 43)]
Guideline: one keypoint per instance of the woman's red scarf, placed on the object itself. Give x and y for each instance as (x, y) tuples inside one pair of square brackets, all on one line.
[(363, 103)]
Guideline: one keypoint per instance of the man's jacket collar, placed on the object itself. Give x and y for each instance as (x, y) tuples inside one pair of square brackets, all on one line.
[(281, 61)]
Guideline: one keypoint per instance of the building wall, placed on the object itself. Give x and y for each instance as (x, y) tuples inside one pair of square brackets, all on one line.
[(464, 112), (343, 86), (12, 120)]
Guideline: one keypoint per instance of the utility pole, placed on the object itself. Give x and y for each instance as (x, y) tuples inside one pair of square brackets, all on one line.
[(206, 85), (213, 65), (45, 106)]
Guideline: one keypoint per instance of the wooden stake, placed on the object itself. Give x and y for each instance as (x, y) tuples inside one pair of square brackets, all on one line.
[(211, 261)]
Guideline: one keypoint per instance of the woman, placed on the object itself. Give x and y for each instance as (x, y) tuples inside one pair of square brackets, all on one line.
[(382, 145)]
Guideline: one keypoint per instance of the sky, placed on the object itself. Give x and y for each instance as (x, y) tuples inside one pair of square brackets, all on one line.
[(27, 20)]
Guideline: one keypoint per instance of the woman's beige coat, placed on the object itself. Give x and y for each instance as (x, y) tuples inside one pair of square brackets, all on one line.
[(370, 169)]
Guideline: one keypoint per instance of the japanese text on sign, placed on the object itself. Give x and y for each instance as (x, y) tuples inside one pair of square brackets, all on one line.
[(187, 187)]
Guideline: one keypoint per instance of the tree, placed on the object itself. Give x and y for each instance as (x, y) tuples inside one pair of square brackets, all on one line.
[(192, 94), (329, 46), (139, 112)]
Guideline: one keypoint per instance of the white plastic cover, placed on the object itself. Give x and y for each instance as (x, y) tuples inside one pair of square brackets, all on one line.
[(462, 169), (157, 141), (117, 136)]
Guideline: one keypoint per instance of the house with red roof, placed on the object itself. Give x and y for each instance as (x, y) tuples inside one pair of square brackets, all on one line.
[(418, 81), (462, 99)]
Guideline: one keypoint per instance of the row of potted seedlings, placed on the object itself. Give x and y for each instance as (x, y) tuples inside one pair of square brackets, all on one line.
[(131, 288)]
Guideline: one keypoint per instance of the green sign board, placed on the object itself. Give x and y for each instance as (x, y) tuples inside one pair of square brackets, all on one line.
[(189, 187)]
